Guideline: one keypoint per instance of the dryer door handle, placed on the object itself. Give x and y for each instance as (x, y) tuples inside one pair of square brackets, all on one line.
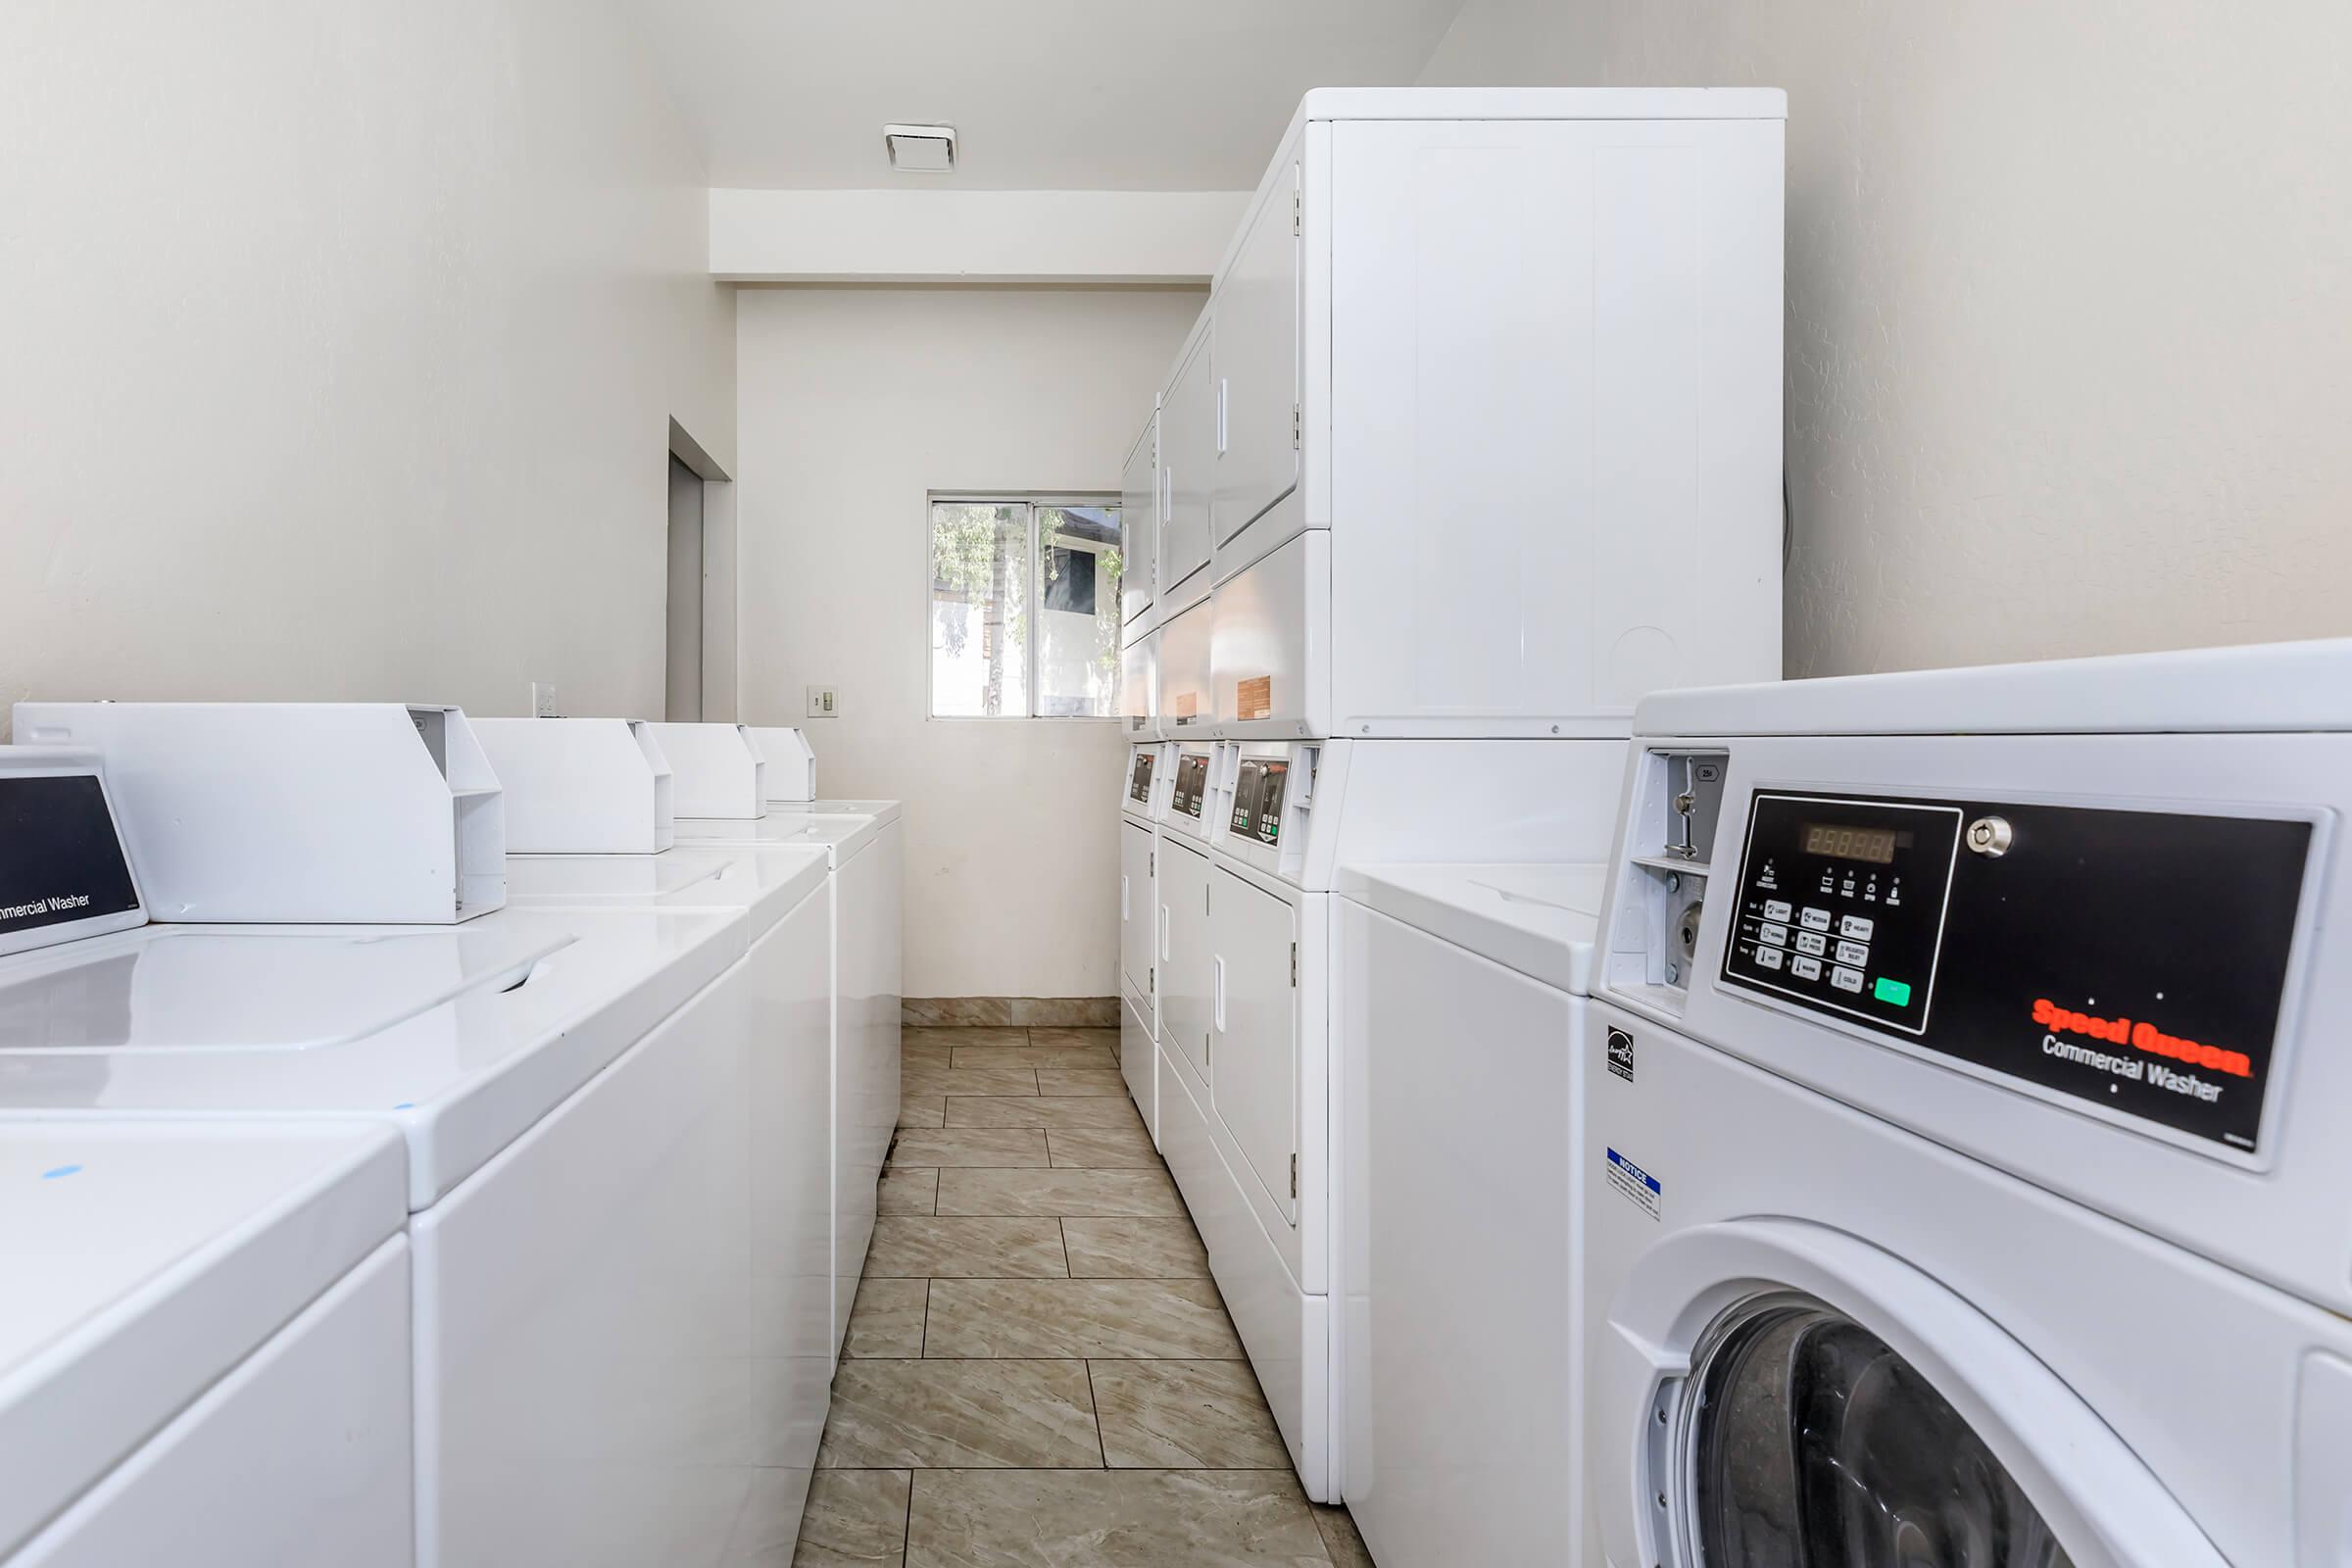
[(1163, 933), (1126, 909), (1220, 994)]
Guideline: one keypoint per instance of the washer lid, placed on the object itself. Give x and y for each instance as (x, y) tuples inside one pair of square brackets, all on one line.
[(767, 886), (145, 1260), (468, 1050), (844, 836), (884, 812), (1542, 920)]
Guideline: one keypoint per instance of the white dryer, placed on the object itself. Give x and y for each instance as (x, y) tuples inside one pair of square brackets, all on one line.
[(204, 1345), (1974, 1190), (864, 859), (1145, 791), (1461, 1027)]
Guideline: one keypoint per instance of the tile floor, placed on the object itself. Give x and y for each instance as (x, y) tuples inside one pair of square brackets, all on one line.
[(1040, 1373)]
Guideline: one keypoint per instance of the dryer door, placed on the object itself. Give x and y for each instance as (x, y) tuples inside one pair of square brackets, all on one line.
[(1771, 1391)]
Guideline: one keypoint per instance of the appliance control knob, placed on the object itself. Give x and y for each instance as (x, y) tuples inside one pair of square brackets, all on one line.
[(1990, 836)]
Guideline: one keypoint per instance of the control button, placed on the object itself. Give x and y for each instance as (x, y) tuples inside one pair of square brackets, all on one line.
[(1777, 935), (1897, 992), (1854, 953), (1816, 919), (1812, 942), (1775, 909), (1768, 958), (1806, 969), (1845, 979), (1858, 926)]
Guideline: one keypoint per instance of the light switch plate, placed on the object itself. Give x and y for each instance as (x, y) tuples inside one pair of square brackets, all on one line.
[(543, 701), (823, 703)]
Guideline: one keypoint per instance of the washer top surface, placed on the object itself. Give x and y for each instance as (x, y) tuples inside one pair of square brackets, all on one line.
[(882, 812), (462, 1037), (842, 836), (2275, 687), (145, 1260), (1542, 920), (766, 885)]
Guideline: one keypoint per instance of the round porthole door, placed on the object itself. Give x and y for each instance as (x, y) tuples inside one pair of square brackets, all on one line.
[(1770, 1394)]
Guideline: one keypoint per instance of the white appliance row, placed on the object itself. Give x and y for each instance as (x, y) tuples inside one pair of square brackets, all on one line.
[(1480, 431), (1922, 1148), (614, 1202)]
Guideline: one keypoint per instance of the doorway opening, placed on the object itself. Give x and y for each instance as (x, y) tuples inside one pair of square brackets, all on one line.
[(682, 697)]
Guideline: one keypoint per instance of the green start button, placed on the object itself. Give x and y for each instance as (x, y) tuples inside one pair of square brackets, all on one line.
[(1894, 991)]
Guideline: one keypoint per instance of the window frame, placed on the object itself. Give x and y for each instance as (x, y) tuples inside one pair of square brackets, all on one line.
[(1033, 500)]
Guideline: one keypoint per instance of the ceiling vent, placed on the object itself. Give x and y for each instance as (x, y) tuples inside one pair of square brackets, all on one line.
[(920, 149)]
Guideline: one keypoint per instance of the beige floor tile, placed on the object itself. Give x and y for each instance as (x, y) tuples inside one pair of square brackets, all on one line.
[(907, 1189), (905, 1247), (1058, 1194), (1135, 1248), (1162, 1415), (1037, 1111), (1110, 1519), (1339, 1538), (887, 1319), (929, 1080), (1106, 1319), (960, 1414), (1068, 1055), (1081, 1081), (922, 1110), (913, 1054), (997, 1147), (1108, 1038), (855, 1519), (949, 1039), (1102, 1149)]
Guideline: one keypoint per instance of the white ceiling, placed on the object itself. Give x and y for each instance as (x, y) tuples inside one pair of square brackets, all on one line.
[(1044, 94)]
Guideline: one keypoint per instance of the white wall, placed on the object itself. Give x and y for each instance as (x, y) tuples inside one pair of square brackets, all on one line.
[(339, 345), (855, 404), (2070, 307)]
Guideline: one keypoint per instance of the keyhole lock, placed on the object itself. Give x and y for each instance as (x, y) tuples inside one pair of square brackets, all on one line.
[(1990, 836)]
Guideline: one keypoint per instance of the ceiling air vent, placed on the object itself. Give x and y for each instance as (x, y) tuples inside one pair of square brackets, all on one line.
[(920, 149)]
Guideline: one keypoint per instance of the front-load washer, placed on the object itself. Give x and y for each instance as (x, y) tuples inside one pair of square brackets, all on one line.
[(1461, 1027), (204, 1345), (1973, 1192), (864, 857), (1144, 790)]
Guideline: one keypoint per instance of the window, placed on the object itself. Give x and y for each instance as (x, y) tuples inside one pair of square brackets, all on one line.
[(1024, 617)]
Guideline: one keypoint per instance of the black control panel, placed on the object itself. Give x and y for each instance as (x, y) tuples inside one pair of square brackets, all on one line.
[(1139, 779), (1258, 800), (2134, 960), (60, 859), (1191, 784)]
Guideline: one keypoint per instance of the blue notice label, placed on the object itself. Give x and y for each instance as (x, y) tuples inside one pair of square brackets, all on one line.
[(1637, 1186)]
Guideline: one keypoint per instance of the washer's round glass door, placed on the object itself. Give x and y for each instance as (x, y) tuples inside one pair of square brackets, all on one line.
[(1810, 1443)]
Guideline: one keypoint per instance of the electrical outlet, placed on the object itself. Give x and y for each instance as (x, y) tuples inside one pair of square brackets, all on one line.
[(823, 703), (543, 701)]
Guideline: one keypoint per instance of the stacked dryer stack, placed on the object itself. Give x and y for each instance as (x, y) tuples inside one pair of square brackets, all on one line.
[(1974, 1188), (1477, 440)]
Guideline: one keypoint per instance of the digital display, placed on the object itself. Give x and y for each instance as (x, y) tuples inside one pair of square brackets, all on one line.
[(1847, 840)]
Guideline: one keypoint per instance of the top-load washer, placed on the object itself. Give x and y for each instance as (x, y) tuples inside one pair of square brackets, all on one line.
[(1973, 1191), (569, 1090), (1462, 1023), (204, 1345), (863, 856)]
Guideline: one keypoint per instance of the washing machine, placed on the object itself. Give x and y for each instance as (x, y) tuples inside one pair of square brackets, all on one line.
[(569, 1088), (1247, 1097), (204, 1345), (864, 857), (1145, 791), (1461, 1022), (1972, 1190)]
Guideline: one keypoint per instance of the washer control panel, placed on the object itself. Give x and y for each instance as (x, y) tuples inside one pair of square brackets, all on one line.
[(1257, 794), (2134, 960), (1191, 784), (1139, 773)]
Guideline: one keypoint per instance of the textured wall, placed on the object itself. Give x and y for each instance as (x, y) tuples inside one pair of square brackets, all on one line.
[(2070, 307), (857, 403), (339, 345)]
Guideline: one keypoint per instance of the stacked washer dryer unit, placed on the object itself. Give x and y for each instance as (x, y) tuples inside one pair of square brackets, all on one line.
[(863, 845), (1147, 782), (1975, 1188), (1477, 440), (567, 1086)]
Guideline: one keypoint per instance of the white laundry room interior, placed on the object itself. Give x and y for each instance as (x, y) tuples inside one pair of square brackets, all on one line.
[(1439, 783)]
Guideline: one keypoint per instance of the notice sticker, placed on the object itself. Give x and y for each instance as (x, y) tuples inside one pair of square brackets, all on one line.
[(1254, 696), (1637, 1185), (1185, 705)]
